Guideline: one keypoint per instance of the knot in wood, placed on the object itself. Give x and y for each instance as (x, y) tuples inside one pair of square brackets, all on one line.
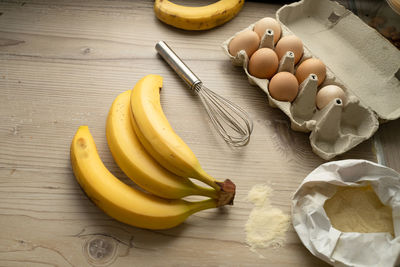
[(100, 250)]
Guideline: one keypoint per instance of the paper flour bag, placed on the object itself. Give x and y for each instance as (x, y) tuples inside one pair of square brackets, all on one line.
[(344, 193)]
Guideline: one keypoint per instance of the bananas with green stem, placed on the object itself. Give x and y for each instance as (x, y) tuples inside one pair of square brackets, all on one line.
[(121, 201), (137, 164), (160, 140)]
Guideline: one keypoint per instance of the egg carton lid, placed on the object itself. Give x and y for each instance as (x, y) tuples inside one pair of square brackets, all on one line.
[(362, 59)]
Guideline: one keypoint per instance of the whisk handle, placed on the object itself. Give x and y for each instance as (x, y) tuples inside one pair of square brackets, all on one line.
[(177, 64)]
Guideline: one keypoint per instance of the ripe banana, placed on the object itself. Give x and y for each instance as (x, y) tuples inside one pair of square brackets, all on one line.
[(197, 18), (137, 164), (160, 140), (119, 200)]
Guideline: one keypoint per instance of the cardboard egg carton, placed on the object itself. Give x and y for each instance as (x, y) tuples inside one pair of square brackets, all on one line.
[(358, 59)]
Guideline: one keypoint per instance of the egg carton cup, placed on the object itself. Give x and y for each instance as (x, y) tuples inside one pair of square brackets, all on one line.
[(357, 58)]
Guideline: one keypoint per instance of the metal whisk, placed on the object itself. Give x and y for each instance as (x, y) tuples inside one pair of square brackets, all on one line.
[(231, 121)]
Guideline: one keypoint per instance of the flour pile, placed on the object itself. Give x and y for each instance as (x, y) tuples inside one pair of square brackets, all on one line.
[(266, 225)]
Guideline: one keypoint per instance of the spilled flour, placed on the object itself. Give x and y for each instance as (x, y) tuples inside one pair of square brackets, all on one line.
[(266, 225)]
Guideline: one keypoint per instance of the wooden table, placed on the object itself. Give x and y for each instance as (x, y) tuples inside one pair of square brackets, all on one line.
[(61, 65)]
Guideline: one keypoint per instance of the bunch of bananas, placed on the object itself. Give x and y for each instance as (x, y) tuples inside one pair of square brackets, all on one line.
[(149, 152)]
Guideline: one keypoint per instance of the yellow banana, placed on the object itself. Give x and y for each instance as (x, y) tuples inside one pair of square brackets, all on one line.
[(139, 166), (160, 140), (197, 18), (121, 201)]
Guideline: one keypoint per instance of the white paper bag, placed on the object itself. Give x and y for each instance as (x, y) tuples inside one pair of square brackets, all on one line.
[(347, 248)]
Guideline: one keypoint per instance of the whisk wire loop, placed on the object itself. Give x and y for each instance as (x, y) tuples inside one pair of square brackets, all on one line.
[(231, 122)]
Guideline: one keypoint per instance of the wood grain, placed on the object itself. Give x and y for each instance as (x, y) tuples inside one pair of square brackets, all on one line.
[(61, 65)]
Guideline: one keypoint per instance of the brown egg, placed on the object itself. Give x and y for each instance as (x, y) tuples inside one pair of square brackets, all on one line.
[(263, 63), (283, 86), (290, 43), (268, 24), (311, 65), (328, 93), (247, 41)]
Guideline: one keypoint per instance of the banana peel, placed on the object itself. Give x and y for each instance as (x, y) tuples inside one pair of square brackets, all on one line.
[(197, 18), (163, 144), (121, 201)]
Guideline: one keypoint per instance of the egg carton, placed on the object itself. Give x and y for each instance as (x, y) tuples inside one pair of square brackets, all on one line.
[(357, 58)]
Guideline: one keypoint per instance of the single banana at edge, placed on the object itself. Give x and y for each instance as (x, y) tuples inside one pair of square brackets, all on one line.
[(137, 164), (197, 18), (159, 139), (119, 200)]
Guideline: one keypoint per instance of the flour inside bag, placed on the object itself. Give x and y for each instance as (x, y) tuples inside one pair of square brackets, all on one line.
[(347, 213)]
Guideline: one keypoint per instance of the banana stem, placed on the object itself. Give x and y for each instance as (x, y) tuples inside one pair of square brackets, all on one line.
[(207, 192), (201, 175), (226, 189), (202, 205), (227, 193)]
